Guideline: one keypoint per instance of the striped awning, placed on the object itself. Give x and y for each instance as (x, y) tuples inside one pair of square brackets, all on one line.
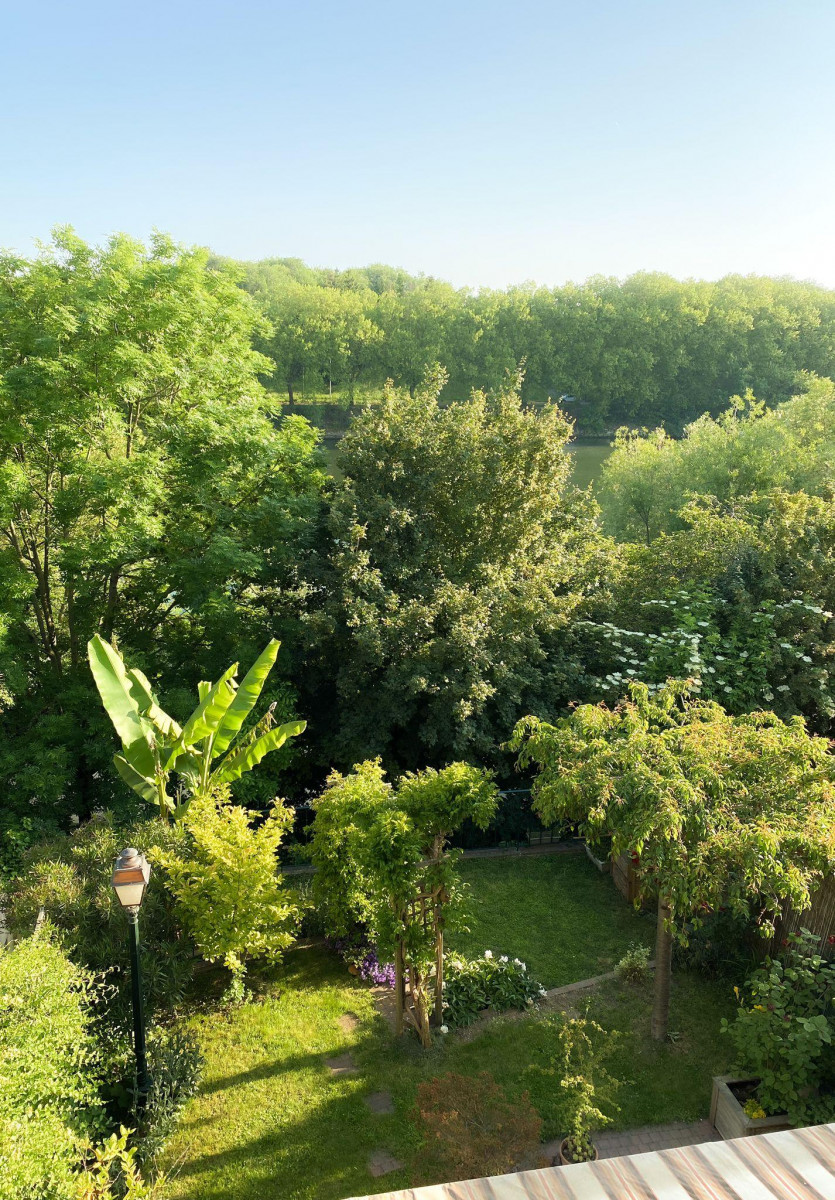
[(798, 1164)]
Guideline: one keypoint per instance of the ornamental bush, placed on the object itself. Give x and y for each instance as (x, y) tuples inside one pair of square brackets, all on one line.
[(69, 878), (472, 1128), (49, 1103), (784, 1033), (472, 985), (227, 884)]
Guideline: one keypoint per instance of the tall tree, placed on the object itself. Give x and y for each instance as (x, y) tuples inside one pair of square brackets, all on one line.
[(716, 810), (456, 551), (143, 487)]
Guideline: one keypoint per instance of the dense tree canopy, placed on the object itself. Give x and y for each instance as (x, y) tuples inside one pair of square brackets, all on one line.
[(716, 810), (645, 349), (748, 449), (145, 493), (456, 551)]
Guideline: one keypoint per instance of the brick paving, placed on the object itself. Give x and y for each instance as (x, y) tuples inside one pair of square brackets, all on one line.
[(646, 1138)]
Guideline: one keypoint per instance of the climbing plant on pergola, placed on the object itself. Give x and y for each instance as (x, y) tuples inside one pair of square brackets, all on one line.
[(715, 809), (383, 862)]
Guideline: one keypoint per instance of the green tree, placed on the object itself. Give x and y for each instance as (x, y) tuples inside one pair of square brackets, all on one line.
[(456, 552), (143, 486), (749, 449), (715, 809), (378, 847)]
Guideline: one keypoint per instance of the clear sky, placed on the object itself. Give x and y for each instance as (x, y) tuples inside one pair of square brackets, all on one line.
[(486, 142)]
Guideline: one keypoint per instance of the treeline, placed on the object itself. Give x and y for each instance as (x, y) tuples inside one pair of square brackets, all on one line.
[(644, 350)]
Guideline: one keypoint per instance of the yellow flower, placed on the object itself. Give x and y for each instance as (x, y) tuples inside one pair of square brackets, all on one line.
[(759, 1008)]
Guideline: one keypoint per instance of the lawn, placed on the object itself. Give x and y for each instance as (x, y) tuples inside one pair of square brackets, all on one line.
[(271, 1121), (555, 912)]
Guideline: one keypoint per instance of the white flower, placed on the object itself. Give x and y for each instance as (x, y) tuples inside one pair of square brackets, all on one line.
[(445, 1029), (784, 687), (542, 991), (503, 958), (517, 962), (529, 1002), (74, 819), (488, 953)]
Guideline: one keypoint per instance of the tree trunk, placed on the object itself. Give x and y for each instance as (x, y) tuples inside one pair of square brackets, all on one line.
[(663, 970), (291, 399)]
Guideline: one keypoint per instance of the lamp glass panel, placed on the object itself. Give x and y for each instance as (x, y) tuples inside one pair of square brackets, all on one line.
[(130, 894)]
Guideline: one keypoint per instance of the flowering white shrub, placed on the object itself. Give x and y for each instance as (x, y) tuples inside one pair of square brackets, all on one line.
[(472, 985)]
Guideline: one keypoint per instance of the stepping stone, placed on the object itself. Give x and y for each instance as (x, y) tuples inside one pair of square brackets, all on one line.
[(343, 1064), (383, 1163), (348, 1022), (380, 1102)]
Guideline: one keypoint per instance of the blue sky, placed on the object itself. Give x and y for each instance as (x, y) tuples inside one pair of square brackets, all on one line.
[(487, 143)]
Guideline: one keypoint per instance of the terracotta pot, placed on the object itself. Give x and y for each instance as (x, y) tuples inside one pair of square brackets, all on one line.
[(569, 1162)]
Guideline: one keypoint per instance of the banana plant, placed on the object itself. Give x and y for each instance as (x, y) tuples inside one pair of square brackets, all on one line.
[(209, 749)]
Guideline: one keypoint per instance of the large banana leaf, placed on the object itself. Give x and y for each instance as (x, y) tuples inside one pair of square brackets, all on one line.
[(246, 698), (141, 784), (211, 710), (148, 706), (115, 691), (240, 761)]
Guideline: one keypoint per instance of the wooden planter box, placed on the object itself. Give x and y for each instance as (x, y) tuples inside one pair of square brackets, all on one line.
[(728, 1116)]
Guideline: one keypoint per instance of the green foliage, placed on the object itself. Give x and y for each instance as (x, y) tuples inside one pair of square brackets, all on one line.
[(111, 1172), (587, 1088), (175, 1065), (457, 552), (394, 845), (70, 879), (717, 809), (722, 945), (154, 744), (226, 882), (645, 348), (343, 885), (497, 983), (783, 1033), (748, 450), (376, 846), (145, 494), (634, 966), (471, 1128), (49, 1102)]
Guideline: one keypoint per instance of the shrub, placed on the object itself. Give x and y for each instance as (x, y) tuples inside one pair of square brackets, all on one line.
[(227, 884), (472, 1128), (720, 946), (471, 985), (49, 1104), (362, 954), (69, 877), (586, 1087), (634, 966), (111, 1171), (783, 1033)]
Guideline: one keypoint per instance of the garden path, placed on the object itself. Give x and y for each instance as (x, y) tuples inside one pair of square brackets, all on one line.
[(653, 1137)]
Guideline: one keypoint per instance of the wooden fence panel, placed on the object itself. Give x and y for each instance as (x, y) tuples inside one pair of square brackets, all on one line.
[(819, 919)]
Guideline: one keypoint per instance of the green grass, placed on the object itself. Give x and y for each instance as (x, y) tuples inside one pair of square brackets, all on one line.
[(270, 1121), (555, 912)]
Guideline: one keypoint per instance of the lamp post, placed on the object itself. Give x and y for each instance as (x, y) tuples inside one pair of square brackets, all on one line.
[(131, 874)]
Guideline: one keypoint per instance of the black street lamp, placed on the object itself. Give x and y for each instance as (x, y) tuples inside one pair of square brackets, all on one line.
[(131, 874)]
